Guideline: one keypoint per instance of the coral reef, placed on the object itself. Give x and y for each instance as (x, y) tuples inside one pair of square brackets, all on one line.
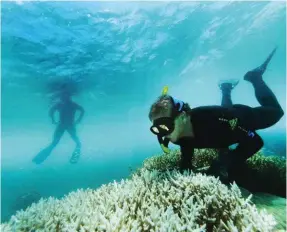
[(5, 227), (273, 204), (261, 173), (264, 174), (148, 201)]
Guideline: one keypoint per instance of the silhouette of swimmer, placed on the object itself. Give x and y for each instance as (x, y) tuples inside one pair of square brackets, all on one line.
[(67, 110)]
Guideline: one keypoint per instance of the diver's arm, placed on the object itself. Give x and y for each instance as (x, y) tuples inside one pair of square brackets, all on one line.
[(52, 111), (82, 112), (187, 151)]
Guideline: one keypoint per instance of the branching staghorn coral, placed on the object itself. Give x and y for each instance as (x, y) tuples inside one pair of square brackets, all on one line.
[(170, 161), (149, 201), (261, 174), (269, 164)]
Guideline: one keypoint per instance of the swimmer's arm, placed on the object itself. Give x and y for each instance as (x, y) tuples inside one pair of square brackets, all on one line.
[(187, 151), (82, 112), (52, 111)]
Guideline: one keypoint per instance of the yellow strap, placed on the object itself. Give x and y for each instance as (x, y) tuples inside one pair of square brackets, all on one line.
[(164, 90), (165, 149)]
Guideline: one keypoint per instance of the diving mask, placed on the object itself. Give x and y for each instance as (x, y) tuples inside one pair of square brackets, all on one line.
[(163, 126)]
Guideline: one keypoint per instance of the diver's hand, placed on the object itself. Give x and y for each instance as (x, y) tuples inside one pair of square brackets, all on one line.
[(182, 170), (78, 120), (186, 167)]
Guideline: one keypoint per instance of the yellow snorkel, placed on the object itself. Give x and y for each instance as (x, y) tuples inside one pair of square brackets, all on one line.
[(164, 143), (164, 90), (162, 126), (164, 148)]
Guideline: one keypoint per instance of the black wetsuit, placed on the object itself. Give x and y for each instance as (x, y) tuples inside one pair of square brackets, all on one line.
[(220, 127)]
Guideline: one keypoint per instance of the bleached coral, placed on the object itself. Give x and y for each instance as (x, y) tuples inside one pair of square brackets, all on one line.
[(5, 227), (149, 201), (204, 157), (170, 161), (261, 174)]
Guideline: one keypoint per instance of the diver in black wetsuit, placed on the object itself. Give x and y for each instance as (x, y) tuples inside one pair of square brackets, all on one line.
[(217, 126)]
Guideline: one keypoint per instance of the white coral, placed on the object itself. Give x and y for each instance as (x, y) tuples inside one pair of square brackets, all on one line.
[(149, 201)]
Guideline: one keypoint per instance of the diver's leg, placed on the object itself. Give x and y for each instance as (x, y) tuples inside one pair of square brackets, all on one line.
[(43, 154), (77, 152), (270, 111), (57, 136), (72, 131), (218, 167), (226, 88), (226, 97)]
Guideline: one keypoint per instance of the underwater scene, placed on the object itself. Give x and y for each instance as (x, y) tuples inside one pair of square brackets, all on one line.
[(143, 116)]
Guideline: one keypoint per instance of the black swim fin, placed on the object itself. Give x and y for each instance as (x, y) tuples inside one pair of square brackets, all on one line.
[(228, 84), (75, 156), (42, 156), (266, 62), (259, 71)]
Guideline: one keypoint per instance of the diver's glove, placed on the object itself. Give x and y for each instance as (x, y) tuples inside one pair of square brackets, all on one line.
[(187, 168), (218, 169)]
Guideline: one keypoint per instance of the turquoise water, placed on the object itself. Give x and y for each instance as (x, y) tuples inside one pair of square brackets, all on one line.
[(118, 56)]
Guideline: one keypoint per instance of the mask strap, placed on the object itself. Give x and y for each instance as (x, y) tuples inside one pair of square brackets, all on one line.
[(175, 101), (178, 102)]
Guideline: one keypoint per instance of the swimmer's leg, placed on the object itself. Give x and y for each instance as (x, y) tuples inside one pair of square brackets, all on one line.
[(270, 111), (226, 88), (43, 155), (77, 151), (218, 167)]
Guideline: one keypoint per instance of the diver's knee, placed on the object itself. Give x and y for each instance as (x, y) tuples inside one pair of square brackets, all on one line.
[(279, 114), (260, 144)]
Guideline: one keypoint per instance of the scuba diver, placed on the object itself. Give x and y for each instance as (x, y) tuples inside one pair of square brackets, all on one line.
[(67, 110), (217, 127)]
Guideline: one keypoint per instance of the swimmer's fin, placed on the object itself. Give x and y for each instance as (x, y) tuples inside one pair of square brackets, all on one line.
[(42, 155), (75, 156), (263, 67), (228, 84), (256, 73)]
